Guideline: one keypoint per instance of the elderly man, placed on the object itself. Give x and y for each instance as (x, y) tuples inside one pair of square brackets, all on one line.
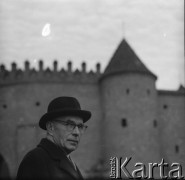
[(64, 123)]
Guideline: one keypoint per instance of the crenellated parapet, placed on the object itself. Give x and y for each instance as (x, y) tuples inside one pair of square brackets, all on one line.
[(44, 75)]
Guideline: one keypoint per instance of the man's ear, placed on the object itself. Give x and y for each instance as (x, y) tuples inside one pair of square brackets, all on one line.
[(49, 127)]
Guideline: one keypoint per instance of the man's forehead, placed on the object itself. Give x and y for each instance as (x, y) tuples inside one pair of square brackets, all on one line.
[(70, 118)]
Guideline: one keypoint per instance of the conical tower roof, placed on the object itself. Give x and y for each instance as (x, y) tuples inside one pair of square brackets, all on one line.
[(125, 60), (181, 89)]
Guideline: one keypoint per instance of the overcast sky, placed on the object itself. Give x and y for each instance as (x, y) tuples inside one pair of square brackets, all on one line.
[(90, 30)]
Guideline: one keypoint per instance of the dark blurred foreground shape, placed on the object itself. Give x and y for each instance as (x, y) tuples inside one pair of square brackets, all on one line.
[(130, 116), (4, 170)]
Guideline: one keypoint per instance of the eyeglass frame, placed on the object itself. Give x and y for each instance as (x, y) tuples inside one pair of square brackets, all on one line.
[(68, 122)]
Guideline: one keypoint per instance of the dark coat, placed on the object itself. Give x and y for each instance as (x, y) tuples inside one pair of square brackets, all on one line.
[(47, 161)]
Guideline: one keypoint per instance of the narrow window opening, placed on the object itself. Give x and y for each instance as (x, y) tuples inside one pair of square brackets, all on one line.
[(165, 106), (177, 149), (148, 91), (155, 123), (127, 91), (124, 122), (37, 103), (4, 106)]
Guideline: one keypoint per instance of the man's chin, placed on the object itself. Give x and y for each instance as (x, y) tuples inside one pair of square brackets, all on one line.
[(72, 146)]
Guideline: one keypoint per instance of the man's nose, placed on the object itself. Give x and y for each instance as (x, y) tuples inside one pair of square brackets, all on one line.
[(76, 131)]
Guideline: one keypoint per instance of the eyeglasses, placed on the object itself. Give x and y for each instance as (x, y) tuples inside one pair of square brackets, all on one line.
[(71, 126)]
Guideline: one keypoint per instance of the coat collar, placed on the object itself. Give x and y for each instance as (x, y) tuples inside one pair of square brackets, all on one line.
[(59, 154)]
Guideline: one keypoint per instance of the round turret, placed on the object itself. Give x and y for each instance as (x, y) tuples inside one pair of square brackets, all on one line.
[(129, 101)]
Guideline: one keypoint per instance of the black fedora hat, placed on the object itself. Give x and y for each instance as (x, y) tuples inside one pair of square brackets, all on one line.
[(63, 106)]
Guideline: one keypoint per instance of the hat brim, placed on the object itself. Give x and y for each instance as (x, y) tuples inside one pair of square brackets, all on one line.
[(85, 115)]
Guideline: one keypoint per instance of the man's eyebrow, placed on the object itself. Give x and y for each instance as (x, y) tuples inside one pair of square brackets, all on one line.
[(70, 121)]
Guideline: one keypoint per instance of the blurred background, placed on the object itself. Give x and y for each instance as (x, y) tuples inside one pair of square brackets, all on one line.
[(123, 60)]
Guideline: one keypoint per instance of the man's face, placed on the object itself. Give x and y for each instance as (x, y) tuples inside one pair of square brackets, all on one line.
[(64, 136)]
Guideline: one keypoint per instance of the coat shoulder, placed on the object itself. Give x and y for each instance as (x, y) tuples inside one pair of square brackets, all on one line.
[(34, 163), (36, 156), (36, 153)]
